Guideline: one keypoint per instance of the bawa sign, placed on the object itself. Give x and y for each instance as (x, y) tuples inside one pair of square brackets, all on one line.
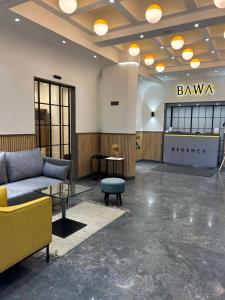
[(200, 89)]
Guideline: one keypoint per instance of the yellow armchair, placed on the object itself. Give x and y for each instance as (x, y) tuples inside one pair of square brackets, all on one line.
[(24, 229)]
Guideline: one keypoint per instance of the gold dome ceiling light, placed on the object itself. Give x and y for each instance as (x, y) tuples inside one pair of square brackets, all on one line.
[(153, 13), (195, 63), (149, 59), (160, 67), (101, 27), (177, 42), (68, 6), (219, 3), (134, 50), (187, 54)]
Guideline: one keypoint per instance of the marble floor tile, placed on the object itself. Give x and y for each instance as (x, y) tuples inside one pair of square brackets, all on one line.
[(169, 245)]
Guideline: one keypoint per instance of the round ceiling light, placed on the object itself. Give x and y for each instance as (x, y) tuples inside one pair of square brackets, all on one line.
[(134, 49), (195, 63), (187, 54), (219, 3), (153, 13), (68, 6), (149, 60), (160, 67), (101, 27), (177, 42)]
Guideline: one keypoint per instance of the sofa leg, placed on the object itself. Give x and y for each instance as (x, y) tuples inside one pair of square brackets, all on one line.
[(47, 254)]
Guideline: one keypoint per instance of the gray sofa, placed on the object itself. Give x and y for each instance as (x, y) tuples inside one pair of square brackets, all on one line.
[(25, 171)]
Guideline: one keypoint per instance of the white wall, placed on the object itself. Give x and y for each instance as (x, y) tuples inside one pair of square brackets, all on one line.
[(23, 57), (118, 83), (153, 96)]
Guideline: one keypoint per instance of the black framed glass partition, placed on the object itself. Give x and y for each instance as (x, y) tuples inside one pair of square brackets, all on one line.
[(196, 118), (52, 118)]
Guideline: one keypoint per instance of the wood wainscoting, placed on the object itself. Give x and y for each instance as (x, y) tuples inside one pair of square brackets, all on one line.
[(127, 144), (88, 144), (11, 143), (151, 145)]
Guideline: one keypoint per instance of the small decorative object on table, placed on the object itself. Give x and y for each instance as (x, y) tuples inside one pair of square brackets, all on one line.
[(115, 150)]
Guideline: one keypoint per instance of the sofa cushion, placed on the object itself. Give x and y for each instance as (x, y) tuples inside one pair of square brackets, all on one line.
[(54, 171), (24, 164), (3, 174), (20, 188)]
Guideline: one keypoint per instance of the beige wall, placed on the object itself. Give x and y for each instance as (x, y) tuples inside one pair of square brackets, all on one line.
[(23, 57), (118, 83), (152, 97)]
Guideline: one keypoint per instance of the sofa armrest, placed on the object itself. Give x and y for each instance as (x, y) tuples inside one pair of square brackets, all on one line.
[(25, 229), (62, 162)]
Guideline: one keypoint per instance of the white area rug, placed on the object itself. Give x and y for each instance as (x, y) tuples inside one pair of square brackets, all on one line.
[(95, 215)]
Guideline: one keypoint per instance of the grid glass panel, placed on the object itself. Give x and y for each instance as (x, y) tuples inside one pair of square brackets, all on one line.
[(52, 119)]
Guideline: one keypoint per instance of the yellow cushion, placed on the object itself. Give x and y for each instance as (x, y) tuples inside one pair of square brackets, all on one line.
[(3, 196)]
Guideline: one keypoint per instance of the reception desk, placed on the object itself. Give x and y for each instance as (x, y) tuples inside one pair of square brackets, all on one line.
[(196, 150)]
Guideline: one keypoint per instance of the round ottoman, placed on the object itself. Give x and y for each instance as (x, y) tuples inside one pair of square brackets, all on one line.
[(113, 186)]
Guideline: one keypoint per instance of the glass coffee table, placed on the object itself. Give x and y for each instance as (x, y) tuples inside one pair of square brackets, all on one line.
[(64, 226)]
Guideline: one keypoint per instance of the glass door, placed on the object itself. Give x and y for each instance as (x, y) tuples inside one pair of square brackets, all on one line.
[(52, 118)]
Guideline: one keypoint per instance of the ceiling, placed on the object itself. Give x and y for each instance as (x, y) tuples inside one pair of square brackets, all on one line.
[(127, 23)]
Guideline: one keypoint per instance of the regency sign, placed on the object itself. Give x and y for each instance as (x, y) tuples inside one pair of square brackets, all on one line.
[(200, 89)]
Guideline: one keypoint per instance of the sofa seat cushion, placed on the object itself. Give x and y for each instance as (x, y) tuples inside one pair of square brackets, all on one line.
[(24, 164), (19, 188), (3, 174)]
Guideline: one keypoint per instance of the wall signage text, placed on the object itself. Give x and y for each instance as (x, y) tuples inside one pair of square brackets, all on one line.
[(201, 89), (193, 150)]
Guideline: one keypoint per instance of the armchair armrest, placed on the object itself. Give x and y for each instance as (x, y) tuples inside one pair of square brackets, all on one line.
[(62, 162), (3, 196), (25, 229)]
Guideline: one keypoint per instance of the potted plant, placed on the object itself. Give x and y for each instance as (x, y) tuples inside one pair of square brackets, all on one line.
[(115, 150)]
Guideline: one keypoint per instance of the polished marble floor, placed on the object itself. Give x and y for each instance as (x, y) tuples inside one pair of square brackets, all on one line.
[(170, 245)]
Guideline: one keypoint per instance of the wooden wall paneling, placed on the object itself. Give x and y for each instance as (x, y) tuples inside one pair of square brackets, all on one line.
[(152, 145), (127, 144), (12, 143), (88, 144), (139, 145)]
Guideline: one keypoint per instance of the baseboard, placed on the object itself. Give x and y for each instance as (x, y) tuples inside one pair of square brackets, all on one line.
[(89, 177), (149, 160)]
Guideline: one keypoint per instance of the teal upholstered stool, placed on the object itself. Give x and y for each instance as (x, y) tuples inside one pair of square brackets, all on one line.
[(113, 186)]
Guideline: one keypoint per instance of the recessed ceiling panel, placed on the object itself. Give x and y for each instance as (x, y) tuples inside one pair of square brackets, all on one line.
[(216, 31), (114, 18), (219, 44), (138, 7), (203, 3)]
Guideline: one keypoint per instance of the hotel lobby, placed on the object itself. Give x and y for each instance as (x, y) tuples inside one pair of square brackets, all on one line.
[(112, 157)]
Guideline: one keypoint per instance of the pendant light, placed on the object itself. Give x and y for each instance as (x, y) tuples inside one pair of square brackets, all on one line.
[(187, 54), (195, 63), (160, 67), (177, 42), (153, 13), (68, 6), (134, 49), (149, 59), (219, 3), (101, 27)]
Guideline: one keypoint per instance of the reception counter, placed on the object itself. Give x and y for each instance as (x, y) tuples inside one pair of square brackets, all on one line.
[(196, 150)]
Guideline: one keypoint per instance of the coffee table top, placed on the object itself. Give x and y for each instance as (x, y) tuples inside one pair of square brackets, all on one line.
[(63, 190)]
